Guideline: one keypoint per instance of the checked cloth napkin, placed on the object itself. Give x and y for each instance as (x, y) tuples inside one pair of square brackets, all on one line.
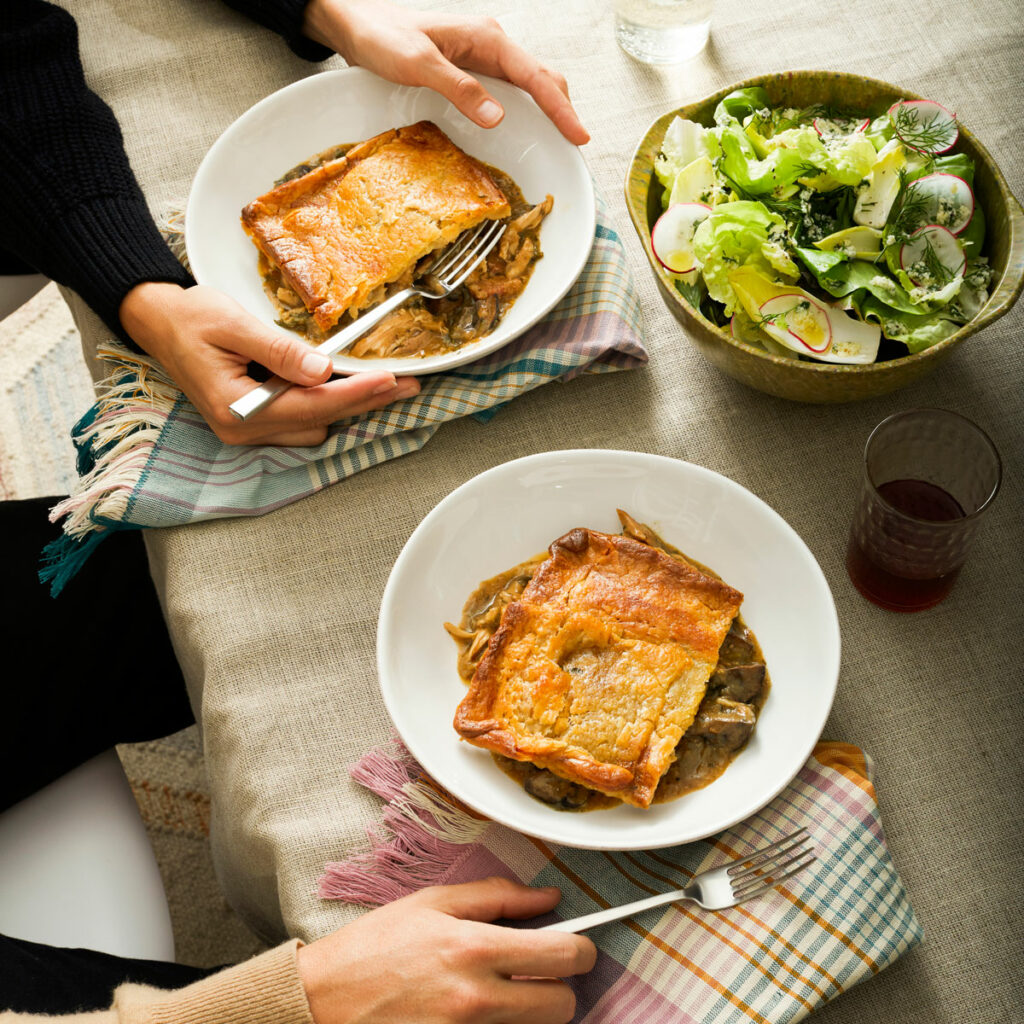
[(775, 958), (146, 458)]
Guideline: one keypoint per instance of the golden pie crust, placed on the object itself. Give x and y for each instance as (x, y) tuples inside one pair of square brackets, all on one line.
[(359, 222), (599, 668)]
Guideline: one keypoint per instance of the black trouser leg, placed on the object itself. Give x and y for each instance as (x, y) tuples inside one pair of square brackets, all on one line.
[(86, 670), (89, 669), (44, 979)]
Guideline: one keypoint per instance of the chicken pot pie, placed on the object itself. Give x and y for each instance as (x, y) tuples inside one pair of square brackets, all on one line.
[(609, 671), (340, 233)]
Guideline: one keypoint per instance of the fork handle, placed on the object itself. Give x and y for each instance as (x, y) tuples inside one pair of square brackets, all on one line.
[(581, 924), (260, 397)]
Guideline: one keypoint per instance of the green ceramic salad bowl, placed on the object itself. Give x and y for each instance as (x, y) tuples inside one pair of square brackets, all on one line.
[(806, 380)]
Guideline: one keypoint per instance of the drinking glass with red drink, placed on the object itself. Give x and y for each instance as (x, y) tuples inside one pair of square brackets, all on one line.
[(929, 475)]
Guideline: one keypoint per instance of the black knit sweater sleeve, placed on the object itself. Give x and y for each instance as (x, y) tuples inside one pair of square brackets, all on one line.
[(285, 18), (73, 208)]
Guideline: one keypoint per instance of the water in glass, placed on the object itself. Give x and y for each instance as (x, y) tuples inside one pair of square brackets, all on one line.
[(662, 31)]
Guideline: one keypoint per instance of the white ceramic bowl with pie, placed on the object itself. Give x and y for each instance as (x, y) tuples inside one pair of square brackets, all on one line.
[(351, 105), (514, 511)]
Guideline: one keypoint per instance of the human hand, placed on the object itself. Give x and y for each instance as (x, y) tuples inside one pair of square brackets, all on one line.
[(206, 341), (431, 958), (436, 50)]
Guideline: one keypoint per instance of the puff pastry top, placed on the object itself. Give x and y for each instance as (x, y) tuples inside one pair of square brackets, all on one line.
[(359, 222), (600, 667)]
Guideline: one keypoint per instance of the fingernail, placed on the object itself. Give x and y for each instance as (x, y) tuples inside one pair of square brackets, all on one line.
[(488, 113), (384, 386), (315, 364)]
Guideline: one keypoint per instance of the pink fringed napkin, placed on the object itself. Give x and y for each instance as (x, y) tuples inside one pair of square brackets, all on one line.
[(774, 959)]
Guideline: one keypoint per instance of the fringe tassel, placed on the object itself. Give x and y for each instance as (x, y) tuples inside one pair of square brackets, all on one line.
[(171, 222), (422, 836), (63, 557), (115, 440)]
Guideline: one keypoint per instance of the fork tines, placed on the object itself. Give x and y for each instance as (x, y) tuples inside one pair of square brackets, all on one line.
[(772, 865), (463, 256)]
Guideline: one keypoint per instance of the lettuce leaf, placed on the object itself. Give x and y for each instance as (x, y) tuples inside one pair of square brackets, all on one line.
[(740, 104), (915, 331), (683, 143), (795, 154), (840, 276), (740, 234)]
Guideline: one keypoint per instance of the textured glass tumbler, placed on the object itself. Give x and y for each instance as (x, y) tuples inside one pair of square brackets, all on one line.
[(929, 476), (662, 31)]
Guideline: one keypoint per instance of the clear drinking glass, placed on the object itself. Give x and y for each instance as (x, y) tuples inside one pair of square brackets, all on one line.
[(929, 476), (662, 31)]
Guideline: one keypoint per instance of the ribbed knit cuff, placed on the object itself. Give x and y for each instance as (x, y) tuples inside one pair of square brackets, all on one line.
[(113, 245), (263, 990), (285, 18)]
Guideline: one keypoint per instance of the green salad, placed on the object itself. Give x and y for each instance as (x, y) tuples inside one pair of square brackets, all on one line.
[(822, 235)]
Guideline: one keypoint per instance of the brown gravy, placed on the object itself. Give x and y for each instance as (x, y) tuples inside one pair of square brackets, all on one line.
[(726, 719)]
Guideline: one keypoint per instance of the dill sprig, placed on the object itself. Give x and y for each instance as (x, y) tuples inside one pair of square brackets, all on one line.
[(925, 135), (937, 270), (910, 211)]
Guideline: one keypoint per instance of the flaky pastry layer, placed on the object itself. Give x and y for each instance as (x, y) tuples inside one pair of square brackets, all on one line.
[(359, 222), (600, 667)]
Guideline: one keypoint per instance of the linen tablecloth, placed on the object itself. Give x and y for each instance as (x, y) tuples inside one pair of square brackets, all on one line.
[(274, 618)]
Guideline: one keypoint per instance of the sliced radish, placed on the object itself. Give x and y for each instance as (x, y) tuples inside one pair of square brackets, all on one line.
[(863, 126), (795, 317), (930, 250), (824, 126), (924, 125), (853, 340), (672, 236), (742, 329), (951, 201)]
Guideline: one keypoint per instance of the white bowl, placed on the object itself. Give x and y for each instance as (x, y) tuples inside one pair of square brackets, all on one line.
[(311, 115), (514, 511)]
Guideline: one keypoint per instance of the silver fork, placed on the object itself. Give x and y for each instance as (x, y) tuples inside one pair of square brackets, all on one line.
[(451, 269), (718, 888)]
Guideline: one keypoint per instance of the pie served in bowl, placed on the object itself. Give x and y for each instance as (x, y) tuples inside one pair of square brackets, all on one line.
[(615, 659), (341, 232)]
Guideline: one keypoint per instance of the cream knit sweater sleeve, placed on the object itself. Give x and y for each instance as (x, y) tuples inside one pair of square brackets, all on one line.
[(263, 990)]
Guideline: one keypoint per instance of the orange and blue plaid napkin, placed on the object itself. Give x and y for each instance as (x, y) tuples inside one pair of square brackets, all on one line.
[(773, 959)]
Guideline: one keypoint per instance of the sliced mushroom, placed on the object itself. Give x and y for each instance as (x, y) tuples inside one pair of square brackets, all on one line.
[(524, 258), (552, 789), (532, 217)]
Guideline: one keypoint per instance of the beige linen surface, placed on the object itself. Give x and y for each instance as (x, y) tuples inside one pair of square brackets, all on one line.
[(274, 619)]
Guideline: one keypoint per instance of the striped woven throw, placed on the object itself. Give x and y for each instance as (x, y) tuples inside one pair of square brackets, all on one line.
[(775, 958), (146, 457)]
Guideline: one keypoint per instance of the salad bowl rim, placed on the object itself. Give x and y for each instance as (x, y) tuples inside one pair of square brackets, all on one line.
[(1005, 293)]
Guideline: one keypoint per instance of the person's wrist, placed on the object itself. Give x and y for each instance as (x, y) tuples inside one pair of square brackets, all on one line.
[(307, 963), (320, 23), (145, 313)]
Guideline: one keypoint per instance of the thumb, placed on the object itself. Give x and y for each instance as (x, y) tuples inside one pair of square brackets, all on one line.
[(489, 899), (288, 357), (462, 89)]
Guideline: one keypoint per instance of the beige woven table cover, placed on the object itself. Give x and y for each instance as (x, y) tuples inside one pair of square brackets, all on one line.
[(274, 618)]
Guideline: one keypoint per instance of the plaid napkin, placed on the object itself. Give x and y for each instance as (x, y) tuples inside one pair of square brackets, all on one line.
[(776, 958), (146, 457)]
